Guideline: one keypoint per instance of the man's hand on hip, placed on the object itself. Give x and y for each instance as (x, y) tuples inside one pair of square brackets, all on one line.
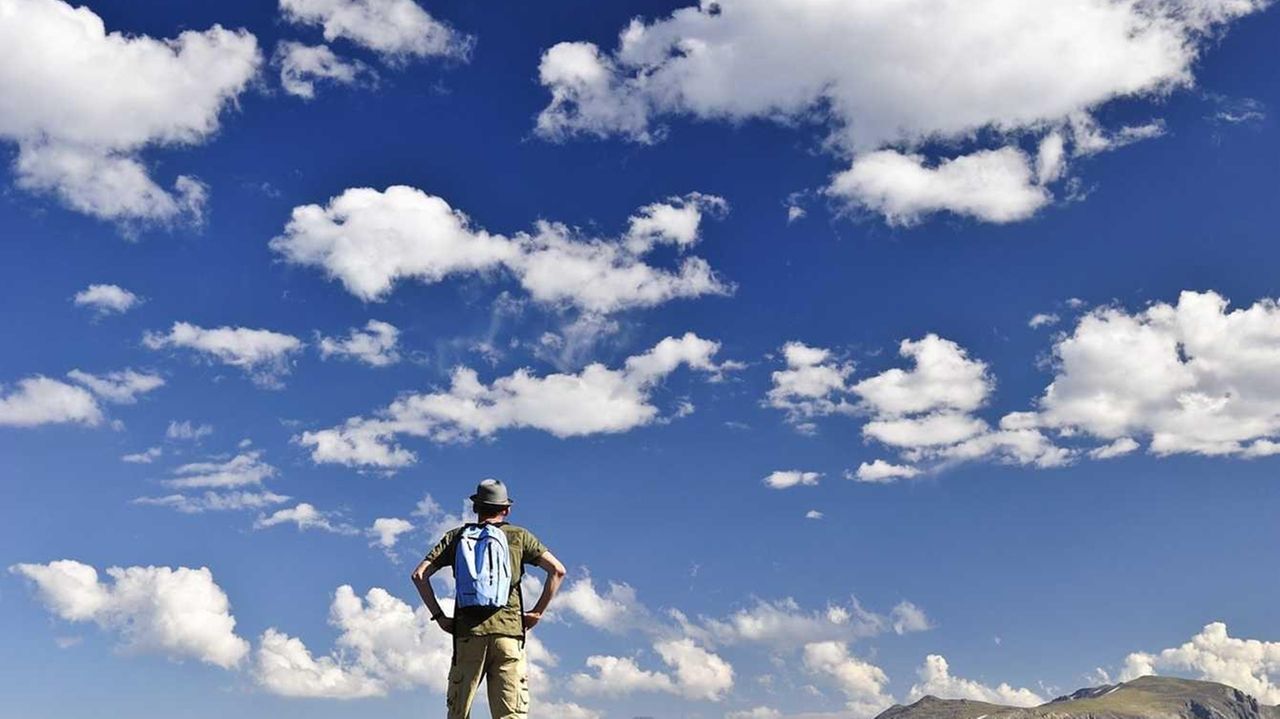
[(446, 623), (531, 619)]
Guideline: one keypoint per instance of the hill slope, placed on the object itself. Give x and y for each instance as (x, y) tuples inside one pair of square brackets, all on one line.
[(1145, 698)]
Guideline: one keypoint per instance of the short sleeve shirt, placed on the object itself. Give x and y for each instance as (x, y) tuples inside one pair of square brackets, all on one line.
[(482, 621)]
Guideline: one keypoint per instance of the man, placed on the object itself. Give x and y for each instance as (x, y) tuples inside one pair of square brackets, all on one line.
[(488, 642)]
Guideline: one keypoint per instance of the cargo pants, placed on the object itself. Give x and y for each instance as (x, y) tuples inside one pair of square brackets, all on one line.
[(498, 660)]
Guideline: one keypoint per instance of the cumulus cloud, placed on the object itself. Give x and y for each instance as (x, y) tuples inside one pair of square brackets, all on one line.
[(304, 516), (594, 401), (992, 185), (39, 400), (302, 66), (882, 472), (782, 479), (376, 345), (180, 613), (211, 501), (384, 644), (187, 430), (146, 456), (1250, 665), (616, 610), (812, 385), (783, 624), (106, 299), (1192, 377), (936, 680), (695, 673), (119, 387), (262, 354), (888, 81), (80, 128), (369, 240), (1043, 319), (243, 470), (862, 683), (925, 412), (907, 617), (398, 30), (386, 531)]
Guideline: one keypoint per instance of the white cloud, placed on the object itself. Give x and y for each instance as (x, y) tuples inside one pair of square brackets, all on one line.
[(784, 624), (119, 387), (79, 128), (181, 613), (187, 430), (302, 66), (696, 673), (245, 469), (375, 346), (882, 472), (782, 479), (618, 676), (106, 299), (398, 30), (811, 386), (991, 185), (1192, 377), (384, 644), (562, 710), (39, 400), (925, 412), (890, 80), (146, 456), (215, 501), (1043, 319), (304, 516), (286, 667), (596, 400), (699, 674), (862, 683), (943, 379), (813, 514), (369, 240), (936, 679), (1118, 448), (436, 521), (907, 617), (386, 531), (1250, 665), (761, 712), (262, 354), (617, 610)]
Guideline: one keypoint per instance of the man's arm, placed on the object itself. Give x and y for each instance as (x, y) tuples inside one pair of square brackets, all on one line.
[(555, 577), (422, 580)]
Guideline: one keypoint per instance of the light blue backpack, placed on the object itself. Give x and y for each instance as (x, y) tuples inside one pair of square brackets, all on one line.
[(482, 566)]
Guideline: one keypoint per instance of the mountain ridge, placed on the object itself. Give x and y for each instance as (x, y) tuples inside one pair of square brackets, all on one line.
[(1148, 697)]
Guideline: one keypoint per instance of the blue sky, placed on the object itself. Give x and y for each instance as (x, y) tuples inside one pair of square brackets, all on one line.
[(661, 288)]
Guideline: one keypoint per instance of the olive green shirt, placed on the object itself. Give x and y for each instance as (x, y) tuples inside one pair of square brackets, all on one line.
[(503, 621)]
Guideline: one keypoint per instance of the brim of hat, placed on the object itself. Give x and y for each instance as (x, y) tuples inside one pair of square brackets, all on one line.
[(508, 503)]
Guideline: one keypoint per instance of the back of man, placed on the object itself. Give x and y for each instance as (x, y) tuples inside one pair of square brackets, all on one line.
[(489, 640)]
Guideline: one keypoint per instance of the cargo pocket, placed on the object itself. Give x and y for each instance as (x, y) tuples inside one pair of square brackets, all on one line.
[(522, 688), (453, 696)]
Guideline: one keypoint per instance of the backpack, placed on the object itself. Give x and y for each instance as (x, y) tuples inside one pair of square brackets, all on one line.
[(482, 566)]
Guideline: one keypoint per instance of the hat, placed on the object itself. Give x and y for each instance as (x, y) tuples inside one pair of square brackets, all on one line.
[(493, 492)]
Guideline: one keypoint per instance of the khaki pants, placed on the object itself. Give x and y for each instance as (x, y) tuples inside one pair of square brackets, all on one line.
[(501, 662)]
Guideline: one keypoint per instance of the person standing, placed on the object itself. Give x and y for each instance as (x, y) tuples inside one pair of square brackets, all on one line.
[(489, 622)]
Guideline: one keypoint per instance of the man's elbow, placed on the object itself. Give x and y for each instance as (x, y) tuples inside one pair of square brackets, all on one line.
[(558, 571)]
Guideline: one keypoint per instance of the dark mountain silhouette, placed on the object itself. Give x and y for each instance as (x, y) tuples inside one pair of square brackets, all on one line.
[(1146, 698)]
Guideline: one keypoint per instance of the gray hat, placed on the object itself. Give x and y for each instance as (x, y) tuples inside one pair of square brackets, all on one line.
[(492, 492)]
